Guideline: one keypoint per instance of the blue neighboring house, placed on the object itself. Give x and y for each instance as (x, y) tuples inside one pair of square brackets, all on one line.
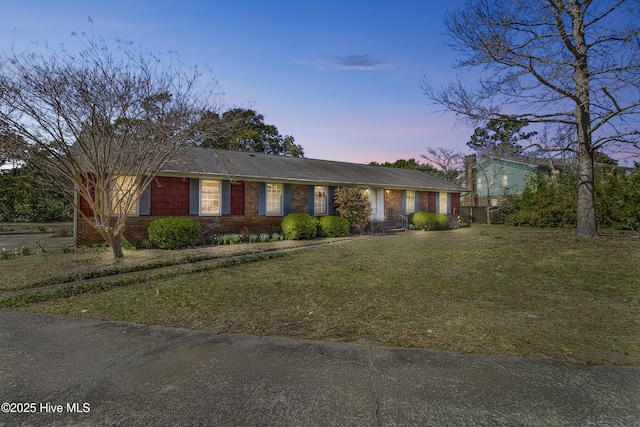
[(493, 178)]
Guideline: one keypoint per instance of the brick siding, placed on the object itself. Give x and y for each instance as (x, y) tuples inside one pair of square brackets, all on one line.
[(299, 198), (170, 198), (173, 200)]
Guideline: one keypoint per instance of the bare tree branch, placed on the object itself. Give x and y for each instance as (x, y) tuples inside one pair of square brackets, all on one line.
[(107, 122), (564, 62)]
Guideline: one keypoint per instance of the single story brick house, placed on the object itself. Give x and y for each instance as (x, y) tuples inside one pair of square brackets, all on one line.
[(228, 191)]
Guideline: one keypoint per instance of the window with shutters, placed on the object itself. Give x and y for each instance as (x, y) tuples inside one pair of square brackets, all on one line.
[(320, 200), (410, 202), (274, 199), (443, 203)]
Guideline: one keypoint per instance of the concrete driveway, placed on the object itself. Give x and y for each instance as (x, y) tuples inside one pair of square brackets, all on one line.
[(68, 371), (34, 241)]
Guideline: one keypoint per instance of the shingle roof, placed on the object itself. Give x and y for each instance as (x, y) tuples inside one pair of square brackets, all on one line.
[(249, 166), (537, 162), (548, 163)]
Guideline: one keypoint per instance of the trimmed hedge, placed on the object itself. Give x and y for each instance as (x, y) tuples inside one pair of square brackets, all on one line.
[(299, 226), (174, 233), (429, 221), (333, 226)]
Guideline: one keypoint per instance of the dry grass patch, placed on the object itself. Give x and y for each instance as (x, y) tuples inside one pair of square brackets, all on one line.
[(489, 290), (57, 267)]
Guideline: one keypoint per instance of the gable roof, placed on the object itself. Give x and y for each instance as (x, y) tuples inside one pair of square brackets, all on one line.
[(236, 165)]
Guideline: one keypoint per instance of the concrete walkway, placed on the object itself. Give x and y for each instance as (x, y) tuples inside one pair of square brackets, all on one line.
[(108, 373)]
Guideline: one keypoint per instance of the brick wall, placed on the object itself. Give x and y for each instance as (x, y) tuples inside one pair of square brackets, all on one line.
[(251, 199), (424, 201), (170, 197), (174, 193), (299, 198)]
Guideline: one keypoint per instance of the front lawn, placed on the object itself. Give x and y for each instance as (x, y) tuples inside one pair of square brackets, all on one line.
[(484, 289)]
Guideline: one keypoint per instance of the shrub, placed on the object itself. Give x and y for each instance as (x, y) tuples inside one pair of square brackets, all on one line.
[(353, 204), (127, 244), (299, 226), (264, 237), (225, 239), (545, 203), (429, 221), (174, 233), (333, 226)]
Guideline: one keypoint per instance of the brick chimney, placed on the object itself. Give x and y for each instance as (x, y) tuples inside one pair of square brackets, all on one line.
[(470, 180)]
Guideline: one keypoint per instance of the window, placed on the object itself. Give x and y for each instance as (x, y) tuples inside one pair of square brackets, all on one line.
[(209, 197), (123, 190), (320, 200), (410, 202), (479, 185), (505, 180), (274, 199), (443, 203)]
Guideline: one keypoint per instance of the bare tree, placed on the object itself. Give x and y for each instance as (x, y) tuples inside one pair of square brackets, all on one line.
[(106, 120), (11, 146), (448, 162), (561, 62)]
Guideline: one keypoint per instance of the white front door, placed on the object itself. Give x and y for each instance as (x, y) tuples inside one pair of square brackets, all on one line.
[(376, 197)]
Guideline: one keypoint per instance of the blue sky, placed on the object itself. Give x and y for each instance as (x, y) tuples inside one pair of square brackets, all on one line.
[(342, 77)]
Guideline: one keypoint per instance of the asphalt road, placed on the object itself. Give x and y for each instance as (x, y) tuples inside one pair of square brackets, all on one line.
[(67, 372), (34, 241)]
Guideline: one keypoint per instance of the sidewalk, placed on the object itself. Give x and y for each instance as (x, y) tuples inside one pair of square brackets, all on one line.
[(108, 373)]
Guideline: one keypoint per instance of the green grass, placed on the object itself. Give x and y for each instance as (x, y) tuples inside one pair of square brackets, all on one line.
[(488, 290)]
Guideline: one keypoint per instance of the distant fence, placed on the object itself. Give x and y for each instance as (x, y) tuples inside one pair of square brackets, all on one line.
[(478, 214)]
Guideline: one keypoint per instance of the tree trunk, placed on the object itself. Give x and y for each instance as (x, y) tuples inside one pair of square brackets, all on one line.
[(116, 249), (586, 225), (115, 242), (586, 212)]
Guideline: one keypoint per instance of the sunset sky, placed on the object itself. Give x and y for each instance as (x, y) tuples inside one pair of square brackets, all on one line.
[(342, 77)]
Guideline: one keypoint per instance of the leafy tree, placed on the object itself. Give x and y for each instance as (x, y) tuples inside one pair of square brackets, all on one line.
[(446, 170), (564, 63), (500, 137), (27, 196), (401, 164), (551, 202), (618, 199), (105, 122), (603, 158), (244, 130), (545, 203)]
